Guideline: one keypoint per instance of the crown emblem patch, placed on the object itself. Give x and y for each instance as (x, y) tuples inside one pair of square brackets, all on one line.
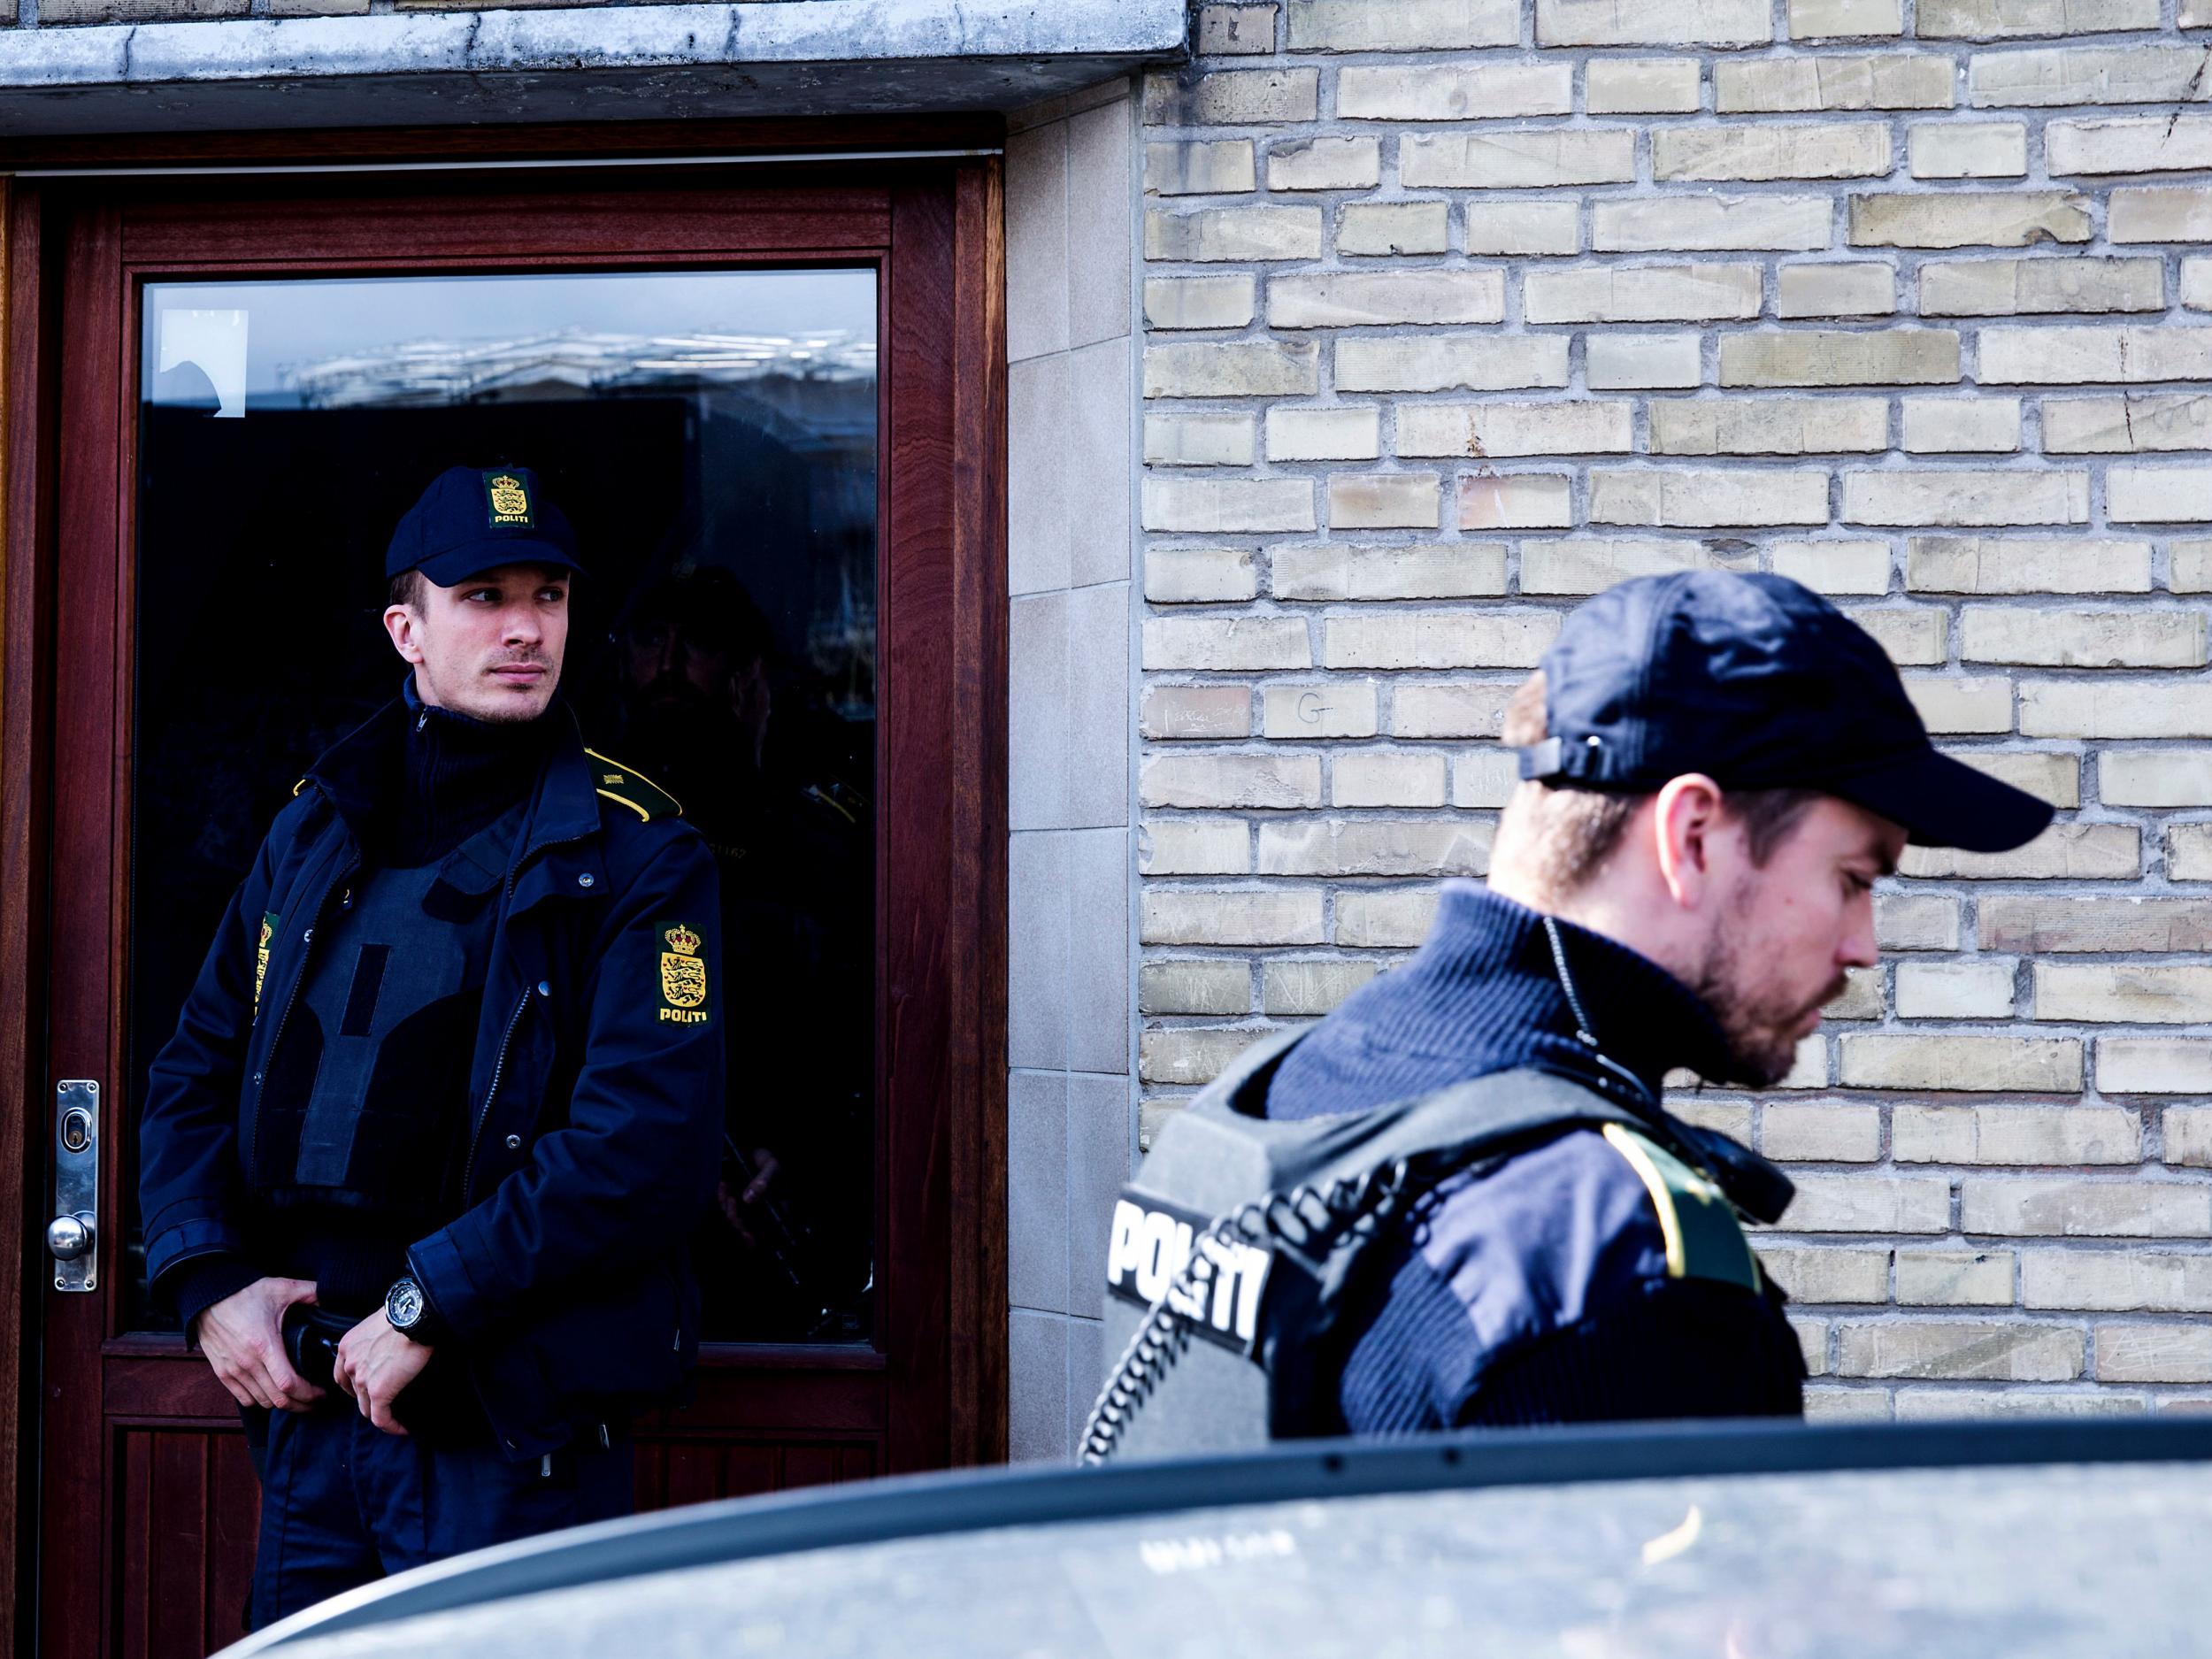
[(510, 500), (683, 976)]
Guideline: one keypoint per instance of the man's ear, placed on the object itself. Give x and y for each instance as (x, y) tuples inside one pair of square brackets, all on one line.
[(401, 623), (1684, 818)]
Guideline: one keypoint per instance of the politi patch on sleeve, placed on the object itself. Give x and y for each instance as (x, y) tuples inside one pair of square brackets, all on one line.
[(261, 956), (507, 501), (683, 987)]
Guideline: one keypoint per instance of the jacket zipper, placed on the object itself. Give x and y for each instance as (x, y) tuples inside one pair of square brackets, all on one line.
[(268, 1057)]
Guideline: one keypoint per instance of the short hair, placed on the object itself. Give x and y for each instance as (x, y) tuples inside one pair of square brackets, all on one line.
[(1572, 832), (406, 589)]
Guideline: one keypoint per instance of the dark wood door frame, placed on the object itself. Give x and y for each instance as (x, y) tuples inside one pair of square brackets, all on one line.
[(943, 994)]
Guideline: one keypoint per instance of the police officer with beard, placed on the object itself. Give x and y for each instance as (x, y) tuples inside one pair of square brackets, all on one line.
[(446, 1090), (1458, 1199)]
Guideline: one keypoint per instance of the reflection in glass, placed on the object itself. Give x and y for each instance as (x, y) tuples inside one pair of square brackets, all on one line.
[(712, 435)]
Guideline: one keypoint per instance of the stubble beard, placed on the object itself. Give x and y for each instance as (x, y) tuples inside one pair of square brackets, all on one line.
[(1758, 1025)]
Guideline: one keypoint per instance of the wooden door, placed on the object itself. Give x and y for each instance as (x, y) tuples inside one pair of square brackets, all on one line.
[(146, 1502)]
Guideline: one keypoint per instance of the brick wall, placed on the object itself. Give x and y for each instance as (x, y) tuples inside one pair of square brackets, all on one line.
[(1458, 310)]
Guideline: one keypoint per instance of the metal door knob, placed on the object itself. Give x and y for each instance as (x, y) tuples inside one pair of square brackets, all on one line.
[(69, 1237)]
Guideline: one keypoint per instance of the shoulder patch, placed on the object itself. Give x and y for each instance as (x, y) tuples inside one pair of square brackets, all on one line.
[(626, 788), (1704, 1239)]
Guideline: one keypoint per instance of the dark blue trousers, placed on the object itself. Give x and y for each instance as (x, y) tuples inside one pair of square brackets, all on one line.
[(344, 1504)]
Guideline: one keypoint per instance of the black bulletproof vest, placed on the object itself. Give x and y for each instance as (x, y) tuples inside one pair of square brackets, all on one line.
[(365, 1108)]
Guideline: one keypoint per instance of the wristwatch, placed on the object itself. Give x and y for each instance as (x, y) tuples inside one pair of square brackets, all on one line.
[(408, 1310)]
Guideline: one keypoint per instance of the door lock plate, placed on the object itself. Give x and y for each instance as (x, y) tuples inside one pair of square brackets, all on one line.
[(76, 1186)]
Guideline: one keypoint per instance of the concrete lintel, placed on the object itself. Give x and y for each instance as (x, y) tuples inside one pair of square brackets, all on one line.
[(624, 62)]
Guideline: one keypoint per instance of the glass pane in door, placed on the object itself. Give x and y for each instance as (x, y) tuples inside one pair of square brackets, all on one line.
[(712, 435)]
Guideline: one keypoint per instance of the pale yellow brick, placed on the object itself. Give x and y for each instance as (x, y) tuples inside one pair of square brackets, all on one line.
[(1693, 498), (1996, 287), (1626, 362), (1946, 1405), (1675, 23), (2153, 1353), (1194, 847), (2142, 495), (2116, 1281), (2129, 143), (2131, 421), (1404, 26), (1870, 1204), (1384, 500), (1439, 639), (1965, 218), (2190, 565), (1950, 705), (1373, 918), (2157, 778), (2020, 564), (1644, 294), (1589, 564), (1968, 150), (2082, 639), (2054, 778), (2041, 1065), (1205, 301), (1233, 368), (1195, 986), (1867, 289), (1229, 505), (1485, 778), (1383, 777), (1393, 227), (1458, 708), (1819, 1275), (1156, 1111), (1833, 567), (1732, 1118), (1301, 986), (1915, 921), (1341, 707), (1199, 575), (2179, 214), (1974, 989), (1453, 92), (1833, 81), (1325, 164), (1338, 570), (1821, 1132), (1966, 498), (1983, 1351), (2073, 924), (1199, 168), (1825, 357), (1198, 440), (1226, 645), (1545, 159), (1232, 97), (1190, 1054), (2156, 1065), (1514, 501), (1274, 915), (1736, 425), (1969, 426), (2196, 284), (1504, 225), (2080, 852), (2015, 1134), (1812, 1342), (1212, 233), (1505, 429), (2089, 708), (1323, 434), (1833, 20), (1227, 31), (1375, 847), (1820, 150), (2188, 1133), (1711, 223), (1187, 712), (2000, 20), (1955, 1278), (2078, 74), (2133, 993), (1450, 363), (2066, 354), (1641, 86), (1348, 299), (1183, 779)]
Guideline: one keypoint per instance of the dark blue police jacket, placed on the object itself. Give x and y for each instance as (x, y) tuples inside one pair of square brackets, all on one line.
[(597, 1100)]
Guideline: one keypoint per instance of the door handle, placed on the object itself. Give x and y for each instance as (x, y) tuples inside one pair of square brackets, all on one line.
[(73, 1237)]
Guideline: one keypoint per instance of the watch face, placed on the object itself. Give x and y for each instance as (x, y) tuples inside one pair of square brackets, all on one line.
[(403, 1306)]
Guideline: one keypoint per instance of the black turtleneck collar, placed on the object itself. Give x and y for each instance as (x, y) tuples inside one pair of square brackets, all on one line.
[(456, 776), (1484, 995)]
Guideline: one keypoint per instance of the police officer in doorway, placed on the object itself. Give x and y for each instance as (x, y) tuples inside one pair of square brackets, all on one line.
[(447, 1095), (1458, 1199)]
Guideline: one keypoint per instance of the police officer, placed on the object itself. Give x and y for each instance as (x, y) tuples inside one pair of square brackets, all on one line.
[(447, 1088), (1458, 1199)]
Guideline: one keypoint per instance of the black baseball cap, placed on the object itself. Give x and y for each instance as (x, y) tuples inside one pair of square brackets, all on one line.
[(474, 518), (1760, 683)]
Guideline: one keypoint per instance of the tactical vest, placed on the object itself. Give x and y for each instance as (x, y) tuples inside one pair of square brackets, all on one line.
[(1235, 1255)]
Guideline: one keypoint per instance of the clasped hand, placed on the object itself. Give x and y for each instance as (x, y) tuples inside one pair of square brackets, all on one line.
[(243, 1336)]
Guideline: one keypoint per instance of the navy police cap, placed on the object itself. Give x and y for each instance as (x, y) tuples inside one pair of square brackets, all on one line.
[(1758, 683), (474, 518)]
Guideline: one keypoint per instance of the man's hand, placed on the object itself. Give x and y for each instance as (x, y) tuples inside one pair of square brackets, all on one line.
[(734, 1204), (375, 1363), (243, 1336)]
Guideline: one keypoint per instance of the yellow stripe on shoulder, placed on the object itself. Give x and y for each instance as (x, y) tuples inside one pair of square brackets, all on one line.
[(627, 786), (1704, 1237)]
